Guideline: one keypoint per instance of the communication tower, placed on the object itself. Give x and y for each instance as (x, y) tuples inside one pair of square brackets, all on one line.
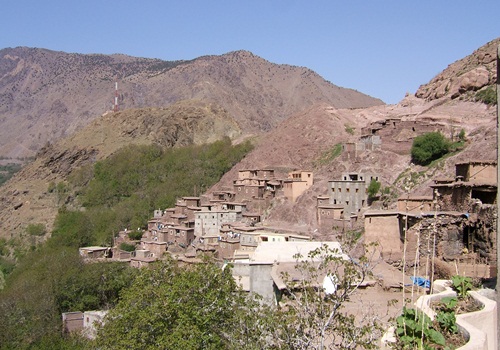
[(115, 107)]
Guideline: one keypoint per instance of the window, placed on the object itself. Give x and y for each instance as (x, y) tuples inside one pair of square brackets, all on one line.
[(347, 190), (357, 190), (340, 190)]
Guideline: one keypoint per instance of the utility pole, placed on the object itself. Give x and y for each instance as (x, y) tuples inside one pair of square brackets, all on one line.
[(115, 107), (498, 196)]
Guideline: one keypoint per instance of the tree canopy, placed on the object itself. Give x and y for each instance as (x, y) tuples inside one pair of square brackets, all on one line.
[(428, 147), (169, 307)]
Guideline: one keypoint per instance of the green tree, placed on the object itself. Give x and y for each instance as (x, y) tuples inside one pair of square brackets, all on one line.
[(373, 188), (428, 147), (194, 307), (314, 316)]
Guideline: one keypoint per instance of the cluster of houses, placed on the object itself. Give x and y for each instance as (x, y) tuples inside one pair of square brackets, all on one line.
[(224, 226), (458, 216)]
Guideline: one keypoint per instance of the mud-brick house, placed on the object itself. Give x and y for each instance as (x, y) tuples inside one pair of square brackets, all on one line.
[(385, 229), (249, 192), (484, 171), (296, 183), (415, 204), (255, 183), (263, 272), (224, 195), (350, 191), (142, 258), (157, 248), (329, 215), (475, 183), (256, 173), (209, 220), (251, 218), (181, 236), (85, 322), (368, 142), (94, 252)]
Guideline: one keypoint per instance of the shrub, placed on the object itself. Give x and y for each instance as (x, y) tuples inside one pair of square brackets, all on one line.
[(487, 96), (127, 247), (36, 229), (428, 147), (373, 188), (135, 235), (349, 129), (461, 135)]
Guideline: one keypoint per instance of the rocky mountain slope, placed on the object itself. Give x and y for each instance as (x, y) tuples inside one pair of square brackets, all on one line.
[(46, 95), (465, 76), (302, 141), (25, 199)]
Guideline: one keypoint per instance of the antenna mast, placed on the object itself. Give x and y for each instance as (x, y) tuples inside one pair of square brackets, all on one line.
[(115, 108)]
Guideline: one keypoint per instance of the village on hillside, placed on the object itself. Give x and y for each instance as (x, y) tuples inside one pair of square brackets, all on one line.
[(454, 227)]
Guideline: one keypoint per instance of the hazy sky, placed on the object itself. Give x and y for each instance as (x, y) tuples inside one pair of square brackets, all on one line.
[(383, 48)]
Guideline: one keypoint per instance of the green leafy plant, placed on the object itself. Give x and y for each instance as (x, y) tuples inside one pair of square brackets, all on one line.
[(461, 285), (446, 314), (414, 331)]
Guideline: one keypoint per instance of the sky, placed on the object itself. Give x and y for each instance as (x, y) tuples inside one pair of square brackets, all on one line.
[(383, 48)]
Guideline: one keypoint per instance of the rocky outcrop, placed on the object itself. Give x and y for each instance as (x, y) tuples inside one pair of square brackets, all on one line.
[(467, 75)]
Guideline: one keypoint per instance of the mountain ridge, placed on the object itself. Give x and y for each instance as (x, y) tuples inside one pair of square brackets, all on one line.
[(46, 95)]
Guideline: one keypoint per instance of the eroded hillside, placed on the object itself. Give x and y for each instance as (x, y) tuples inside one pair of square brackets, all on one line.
[(47, 95)]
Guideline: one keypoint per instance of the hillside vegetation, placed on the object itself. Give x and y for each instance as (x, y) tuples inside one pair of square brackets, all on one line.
[(121, 191)]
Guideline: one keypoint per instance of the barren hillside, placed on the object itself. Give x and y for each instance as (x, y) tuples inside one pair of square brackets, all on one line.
[(46, 95)]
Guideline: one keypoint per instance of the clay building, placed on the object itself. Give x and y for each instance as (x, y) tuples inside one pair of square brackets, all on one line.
[(329, 215), (350, 192), (296, 183), (415, 204), (475, 183), (396, 134), (209, 220), (384, 228)]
